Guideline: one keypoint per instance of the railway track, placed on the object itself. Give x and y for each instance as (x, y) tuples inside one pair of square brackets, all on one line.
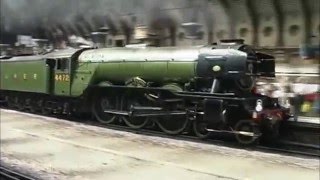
[(293, 148), (10, 174), (281, 147)]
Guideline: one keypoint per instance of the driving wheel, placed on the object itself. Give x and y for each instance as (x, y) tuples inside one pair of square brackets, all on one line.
[(200, 129), (133, 122), (100, 105)]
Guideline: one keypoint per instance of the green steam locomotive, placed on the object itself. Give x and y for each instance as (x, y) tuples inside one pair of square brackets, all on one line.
[(196, 89)]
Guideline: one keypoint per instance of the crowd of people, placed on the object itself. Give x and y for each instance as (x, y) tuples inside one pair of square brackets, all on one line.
[(302, 99)]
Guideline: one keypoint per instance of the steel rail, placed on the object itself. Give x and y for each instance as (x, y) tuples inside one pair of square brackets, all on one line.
[(10, 174), (302, 151), (279, 147)]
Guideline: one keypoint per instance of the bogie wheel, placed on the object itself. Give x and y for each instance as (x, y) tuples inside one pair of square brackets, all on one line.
[(20, 103), (43, 107), (173, 125), (10, 102), (33, 106), (27, 104), (271, 132), (100, 105), (199, 129), (133, 122), (248, 127)]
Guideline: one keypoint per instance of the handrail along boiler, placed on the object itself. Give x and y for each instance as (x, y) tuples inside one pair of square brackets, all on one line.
[(208, 88)]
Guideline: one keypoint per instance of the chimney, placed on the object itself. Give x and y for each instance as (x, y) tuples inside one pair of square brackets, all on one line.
[(192, 30), (100, 38), (60, 42)]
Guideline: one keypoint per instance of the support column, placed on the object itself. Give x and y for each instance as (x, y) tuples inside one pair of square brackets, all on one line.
[(226, 6), (254, 20), (306, 15), (279, 16)]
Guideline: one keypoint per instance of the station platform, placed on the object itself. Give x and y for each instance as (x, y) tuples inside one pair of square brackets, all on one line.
[(50, 148), (305, 119), (310, 70)]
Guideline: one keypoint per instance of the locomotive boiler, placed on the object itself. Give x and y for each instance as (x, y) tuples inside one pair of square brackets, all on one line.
[(185, 69), (191, 89)]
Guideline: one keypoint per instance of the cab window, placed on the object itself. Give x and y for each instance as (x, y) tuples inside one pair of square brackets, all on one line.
[(63, 64)]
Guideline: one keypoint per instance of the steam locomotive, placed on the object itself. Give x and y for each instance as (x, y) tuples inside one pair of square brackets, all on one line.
[(200, 89)]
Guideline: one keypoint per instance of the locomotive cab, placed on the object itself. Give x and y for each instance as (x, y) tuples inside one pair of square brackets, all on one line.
[(60, 68)]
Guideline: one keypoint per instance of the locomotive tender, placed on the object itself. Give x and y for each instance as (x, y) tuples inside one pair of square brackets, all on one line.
[(208, 88)]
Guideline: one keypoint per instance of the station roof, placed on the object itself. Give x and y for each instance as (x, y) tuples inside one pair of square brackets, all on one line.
[(64, 53), (23, 58)]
